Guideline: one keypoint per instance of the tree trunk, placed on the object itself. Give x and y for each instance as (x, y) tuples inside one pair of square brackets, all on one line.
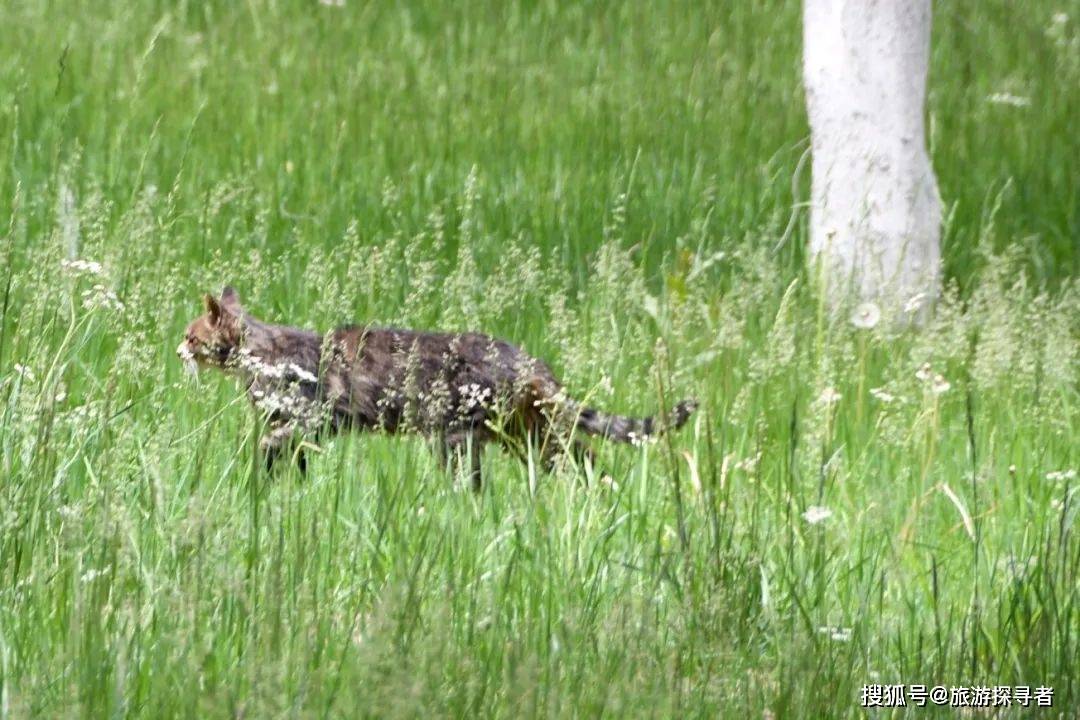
[(876, 215)]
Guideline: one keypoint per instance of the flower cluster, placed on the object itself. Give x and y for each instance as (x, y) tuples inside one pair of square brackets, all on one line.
[(301, 412), (935, 381), (816, 514), (749, 464), (475, 396), (638, 440), (256, 366), (101, 297), (882, 395), (866, 316), (837, 634), (83, 267), (1004, 98), (829, 397), (25, 372)]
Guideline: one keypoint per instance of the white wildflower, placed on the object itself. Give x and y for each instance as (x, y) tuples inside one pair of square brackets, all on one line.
[(837, 634), (941, 385), (914, 302), (82, 267), (882, 395), (1058, 32), (80, 415), (332, 3), (24, 372), (816, 514), (866, 316), (1059, 475), (1003, 98), (749, 465), (268, 370), (273, 371), (271, 403), (302, 374), (474, 396), (101, 297), (92, 575), (609, 482), (924, 373), (300, 412), (829, 397)]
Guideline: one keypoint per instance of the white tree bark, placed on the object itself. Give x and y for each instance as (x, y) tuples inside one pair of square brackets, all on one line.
[(875, 217)]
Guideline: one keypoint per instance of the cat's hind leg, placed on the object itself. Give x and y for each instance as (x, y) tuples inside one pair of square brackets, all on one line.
[(583, 454), (457, 448)]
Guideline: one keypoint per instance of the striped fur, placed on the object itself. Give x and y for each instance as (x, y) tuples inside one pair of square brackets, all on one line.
[(460, 390)]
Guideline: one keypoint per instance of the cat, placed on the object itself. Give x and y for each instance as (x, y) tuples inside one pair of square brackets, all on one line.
[(459, 390)]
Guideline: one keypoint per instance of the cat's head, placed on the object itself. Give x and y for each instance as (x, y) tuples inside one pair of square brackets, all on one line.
[(212, 339)]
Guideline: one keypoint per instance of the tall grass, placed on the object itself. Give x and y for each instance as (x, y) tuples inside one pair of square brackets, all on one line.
[(611, 187)]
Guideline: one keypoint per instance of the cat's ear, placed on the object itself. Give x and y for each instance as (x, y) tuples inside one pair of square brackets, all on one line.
[(230, 300), (227, 308), (214, 309)]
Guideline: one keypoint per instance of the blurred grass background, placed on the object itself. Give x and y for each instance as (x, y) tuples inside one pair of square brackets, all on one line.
[(556, 104)]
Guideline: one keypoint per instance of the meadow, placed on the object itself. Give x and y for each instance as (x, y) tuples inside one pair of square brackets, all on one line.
[(619, 188)]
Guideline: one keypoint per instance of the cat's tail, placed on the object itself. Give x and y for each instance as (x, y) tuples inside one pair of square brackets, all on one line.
[(632, 429)]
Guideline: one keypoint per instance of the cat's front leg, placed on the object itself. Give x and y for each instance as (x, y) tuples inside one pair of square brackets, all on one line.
[(455, 449), (279, 440)]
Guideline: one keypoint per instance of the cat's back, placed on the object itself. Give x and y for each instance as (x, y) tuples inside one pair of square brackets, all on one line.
[(389, 347)]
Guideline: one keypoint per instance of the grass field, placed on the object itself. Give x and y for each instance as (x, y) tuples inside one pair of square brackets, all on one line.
[(611, 186)]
